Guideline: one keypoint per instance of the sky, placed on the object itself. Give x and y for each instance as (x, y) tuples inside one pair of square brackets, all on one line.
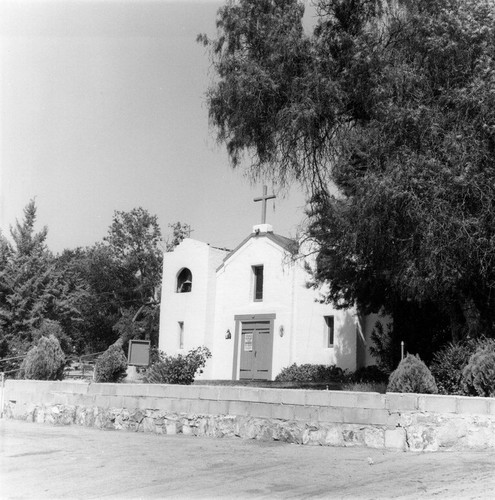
[(103, 108)]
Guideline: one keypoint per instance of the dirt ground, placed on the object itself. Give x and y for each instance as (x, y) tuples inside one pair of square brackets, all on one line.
[(39, 461)]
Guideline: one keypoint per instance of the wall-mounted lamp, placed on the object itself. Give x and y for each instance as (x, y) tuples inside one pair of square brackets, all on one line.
[(228, 335), (281, 330)]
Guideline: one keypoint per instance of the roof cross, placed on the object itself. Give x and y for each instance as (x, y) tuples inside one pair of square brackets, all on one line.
[(264, 199)]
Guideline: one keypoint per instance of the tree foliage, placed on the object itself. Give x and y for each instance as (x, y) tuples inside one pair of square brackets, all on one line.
[(34, 286), (386, 115)]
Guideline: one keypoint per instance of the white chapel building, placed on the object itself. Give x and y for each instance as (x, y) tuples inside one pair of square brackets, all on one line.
[(251, 307)]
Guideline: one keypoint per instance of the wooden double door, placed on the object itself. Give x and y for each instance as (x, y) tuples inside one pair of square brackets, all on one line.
[(256, 350)]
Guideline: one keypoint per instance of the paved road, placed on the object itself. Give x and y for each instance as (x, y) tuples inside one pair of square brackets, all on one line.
[(40, 461)]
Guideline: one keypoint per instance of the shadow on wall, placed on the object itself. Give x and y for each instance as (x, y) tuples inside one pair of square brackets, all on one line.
[(345, 348)]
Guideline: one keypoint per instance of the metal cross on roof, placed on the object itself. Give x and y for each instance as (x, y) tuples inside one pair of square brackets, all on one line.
[(264, 199)]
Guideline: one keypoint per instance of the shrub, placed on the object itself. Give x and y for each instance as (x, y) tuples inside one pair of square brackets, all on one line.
[(180, 369), (111, 366), (44, 361), (479, 374), (49, 327), (310, 373), (369, 374), (449, 362), (412, 375)]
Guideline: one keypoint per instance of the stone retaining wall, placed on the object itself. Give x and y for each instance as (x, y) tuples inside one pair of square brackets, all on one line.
[(334, 418)]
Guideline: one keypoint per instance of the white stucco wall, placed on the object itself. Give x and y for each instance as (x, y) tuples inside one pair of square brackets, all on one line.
[(286, 296), (196, 308), (235, 297)]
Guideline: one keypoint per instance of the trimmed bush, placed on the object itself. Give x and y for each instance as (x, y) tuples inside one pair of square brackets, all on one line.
[(111, 366), (479, 374), (44, 361), (180, 369), (310, 373), (412, 375)]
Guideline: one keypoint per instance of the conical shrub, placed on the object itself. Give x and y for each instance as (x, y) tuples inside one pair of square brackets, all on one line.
[(412, 375), (111, 366), (44, 361), (479, 374)]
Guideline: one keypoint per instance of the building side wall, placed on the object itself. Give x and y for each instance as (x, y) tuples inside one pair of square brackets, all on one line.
[(195, 308)]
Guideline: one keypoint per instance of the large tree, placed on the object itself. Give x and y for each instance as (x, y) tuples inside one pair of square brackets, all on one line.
[(34, 286), (386, 115)]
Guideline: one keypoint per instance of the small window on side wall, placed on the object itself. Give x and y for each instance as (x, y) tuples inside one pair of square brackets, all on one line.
[(329, 330), (258, 283), (181, 334), (184, 281)]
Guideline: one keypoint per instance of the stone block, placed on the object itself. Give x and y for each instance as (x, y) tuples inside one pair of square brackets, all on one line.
[(172, 427), (451, 433), (218, 407), (491, 406), (333, 436), (130, 402), (183, 391), (344, 399), (374, 437), (422, 438), (401, 402), (120, 389), (353, 435), (74, 387), (331, 414), (283, 412), (372, 400), (291, 396), (103, 401), (272, 396), (306, 413), (317, 398), (188, 405), (467, 405), (216, 393), (481, 437), (261, 410), (240, 408), (249, 394), (395, 439), (155, 390), (367, 416), (393, 420), (437, 404)]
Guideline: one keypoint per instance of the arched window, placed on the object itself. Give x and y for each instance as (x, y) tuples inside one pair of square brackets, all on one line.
[(184, 281)]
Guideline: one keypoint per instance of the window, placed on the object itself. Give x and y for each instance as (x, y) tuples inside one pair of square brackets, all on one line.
[(329, 330), (181, 334), (258, 283), (184, 281)]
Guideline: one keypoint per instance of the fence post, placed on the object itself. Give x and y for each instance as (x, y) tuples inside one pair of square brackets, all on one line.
[(401, 350)]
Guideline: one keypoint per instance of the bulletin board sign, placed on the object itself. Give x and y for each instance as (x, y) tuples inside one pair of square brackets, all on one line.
[(139, 353)]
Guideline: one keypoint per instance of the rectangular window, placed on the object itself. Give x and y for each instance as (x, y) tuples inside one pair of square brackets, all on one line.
[(181, 334), (258, 283), (329, 330)]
